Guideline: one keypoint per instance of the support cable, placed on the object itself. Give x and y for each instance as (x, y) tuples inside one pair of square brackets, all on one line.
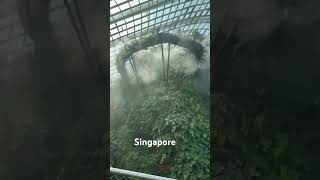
[(82, 25), (168, 64), (135, 72), (81, 32), (78, 32), (135, 67), (164, 71), (180, 70)]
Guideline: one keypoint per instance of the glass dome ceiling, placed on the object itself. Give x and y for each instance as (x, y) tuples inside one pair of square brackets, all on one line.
[(136, 18)]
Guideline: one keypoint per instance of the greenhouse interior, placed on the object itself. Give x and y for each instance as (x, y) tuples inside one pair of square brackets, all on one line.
[(160, 88), (53, 90), (265, 102)]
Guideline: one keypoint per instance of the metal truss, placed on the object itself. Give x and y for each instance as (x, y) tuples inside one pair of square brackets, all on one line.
[(137, 18)]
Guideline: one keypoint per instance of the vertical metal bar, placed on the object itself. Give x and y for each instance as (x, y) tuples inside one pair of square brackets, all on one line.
[(180, 71), (168, 64), (134, 71), (164, 71), (134, 68)]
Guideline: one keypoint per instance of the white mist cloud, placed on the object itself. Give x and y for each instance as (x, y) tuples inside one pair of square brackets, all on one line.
[(150, 65)]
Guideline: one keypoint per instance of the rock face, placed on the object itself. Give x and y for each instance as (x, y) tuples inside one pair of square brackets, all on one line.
[(53, 115)]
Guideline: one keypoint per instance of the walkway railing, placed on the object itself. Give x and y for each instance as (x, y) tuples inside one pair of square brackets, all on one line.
[(117, 174)]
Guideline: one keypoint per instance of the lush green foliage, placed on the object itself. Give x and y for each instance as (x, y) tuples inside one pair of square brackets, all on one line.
[(179, 115), (252, 146)]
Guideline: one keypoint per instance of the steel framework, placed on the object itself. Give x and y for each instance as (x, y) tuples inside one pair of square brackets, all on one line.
[(137, 18)]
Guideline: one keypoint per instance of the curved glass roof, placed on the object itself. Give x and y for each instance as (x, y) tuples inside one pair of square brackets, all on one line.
[(130, 19)]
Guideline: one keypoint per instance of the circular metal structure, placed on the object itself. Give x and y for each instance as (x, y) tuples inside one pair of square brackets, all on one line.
[(136, 19)]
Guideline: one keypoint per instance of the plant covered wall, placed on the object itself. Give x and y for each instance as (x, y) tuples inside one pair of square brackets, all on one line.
[(182, 115)]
